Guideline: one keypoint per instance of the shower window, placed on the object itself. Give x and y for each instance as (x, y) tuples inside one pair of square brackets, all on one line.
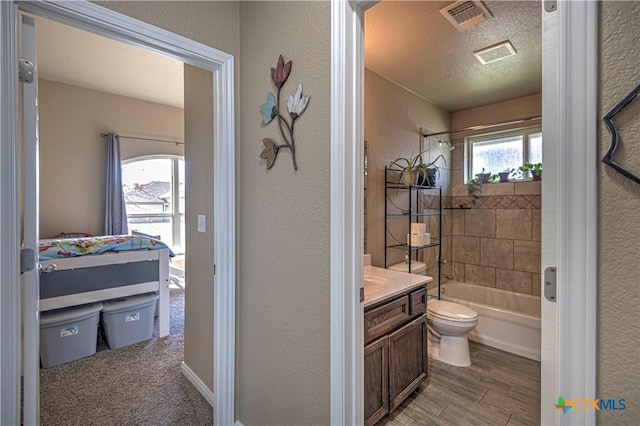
[(497, 152)]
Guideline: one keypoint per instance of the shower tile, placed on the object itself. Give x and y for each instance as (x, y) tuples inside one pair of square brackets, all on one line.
[(531, 187), (536, 283), (446, 222), (457, 222), (465, 249), (496, 253), (457, 157), (517, 281), (513, 223), (536, 203), (447, 268), (430, 255), (536, 234), (479, 223), (526, 256), (522, 203), (458, 271), (458, 188), (446, 249), (497, 189), (481, 275), (506, 203)]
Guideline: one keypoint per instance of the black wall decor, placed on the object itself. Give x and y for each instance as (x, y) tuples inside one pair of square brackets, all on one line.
[(608, 121)]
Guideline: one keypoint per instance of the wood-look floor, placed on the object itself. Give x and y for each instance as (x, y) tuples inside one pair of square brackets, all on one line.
[(498, 388)]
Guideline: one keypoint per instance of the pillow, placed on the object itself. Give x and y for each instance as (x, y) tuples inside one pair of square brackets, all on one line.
[(71, 235)]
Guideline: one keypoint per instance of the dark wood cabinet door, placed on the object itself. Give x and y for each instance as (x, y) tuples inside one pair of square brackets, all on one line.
[(407, 360), (381, 320), (376, 380)]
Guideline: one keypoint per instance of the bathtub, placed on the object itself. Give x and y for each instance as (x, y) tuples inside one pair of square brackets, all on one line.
[(506, 320)]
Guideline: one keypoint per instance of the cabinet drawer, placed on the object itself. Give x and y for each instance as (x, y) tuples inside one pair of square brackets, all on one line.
[(418, 302), (381, 320)]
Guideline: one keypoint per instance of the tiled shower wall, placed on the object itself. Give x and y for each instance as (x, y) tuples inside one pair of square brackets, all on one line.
[(495, 239)]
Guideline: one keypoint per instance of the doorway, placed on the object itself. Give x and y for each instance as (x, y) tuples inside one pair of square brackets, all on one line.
[(119, 27), (571, 29)]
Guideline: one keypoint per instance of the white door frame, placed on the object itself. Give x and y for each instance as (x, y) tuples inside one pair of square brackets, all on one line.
[(575, 134), (98, 20)]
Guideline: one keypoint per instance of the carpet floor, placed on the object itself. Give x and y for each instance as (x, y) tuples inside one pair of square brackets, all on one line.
[(139, 384)]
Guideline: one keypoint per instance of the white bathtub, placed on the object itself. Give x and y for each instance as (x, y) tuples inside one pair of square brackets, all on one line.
[(506, 320)]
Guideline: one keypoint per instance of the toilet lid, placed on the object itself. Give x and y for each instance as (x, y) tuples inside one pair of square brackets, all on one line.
[(451, 310)]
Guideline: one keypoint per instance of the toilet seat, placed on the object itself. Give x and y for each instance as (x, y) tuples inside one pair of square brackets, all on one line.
[(450, 311)]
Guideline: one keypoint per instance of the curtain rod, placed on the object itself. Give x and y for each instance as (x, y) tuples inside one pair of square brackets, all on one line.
[(145, 139), (481, 126)]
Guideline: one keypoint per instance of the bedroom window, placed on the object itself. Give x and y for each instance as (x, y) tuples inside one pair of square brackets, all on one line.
[(497, 152), (151, 187)]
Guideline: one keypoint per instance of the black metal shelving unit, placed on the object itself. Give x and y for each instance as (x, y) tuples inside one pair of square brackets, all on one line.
[(415, 214)]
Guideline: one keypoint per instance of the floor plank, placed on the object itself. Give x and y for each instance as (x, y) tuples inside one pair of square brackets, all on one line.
[(498, 388)]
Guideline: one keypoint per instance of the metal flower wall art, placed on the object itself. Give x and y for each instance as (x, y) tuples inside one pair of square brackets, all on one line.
[(296, 105)]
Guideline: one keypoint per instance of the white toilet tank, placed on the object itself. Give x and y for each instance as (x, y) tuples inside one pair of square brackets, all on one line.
[(417, 267)]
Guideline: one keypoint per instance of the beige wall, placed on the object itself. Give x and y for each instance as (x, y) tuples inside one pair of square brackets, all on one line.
[(619, 218), (215, 24), (199, 134), (283, 346), (73, 154), (393, 118)]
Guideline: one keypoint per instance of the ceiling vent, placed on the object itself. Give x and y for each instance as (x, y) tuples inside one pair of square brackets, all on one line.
[(495, 53), (465, 14)]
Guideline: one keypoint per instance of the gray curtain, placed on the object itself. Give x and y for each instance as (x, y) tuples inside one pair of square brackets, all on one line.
[(115, 215)]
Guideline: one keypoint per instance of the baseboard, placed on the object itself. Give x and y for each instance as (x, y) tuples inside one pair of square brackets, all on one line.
[(197, 383)]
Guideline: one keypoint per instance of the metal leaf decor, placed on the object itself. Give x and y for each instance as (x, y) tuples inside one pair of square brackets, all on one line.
[(608, 121), (296, 105)]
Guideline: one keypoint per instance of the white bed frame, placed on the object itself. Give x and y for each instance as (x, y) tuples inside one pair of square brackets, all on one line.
[(161, 286)]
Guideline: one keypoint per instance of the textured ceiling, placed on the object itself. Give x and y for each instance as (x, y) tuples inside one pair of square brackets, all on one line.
[(79, 58), (413, 45)]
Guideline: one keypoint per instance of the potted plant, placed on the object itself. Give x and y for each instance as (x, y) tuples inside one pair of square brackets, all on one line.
[(484, 176), (416, 172), (409, 168), (474, 185), (503, 176), (429, 173), (535, 170)]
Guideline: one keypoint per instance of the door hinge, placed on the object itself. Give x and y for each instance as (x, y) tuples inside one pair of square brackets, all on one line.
[(550, 283), (550, 5), (25, 71), (27, 260), (361, 294)]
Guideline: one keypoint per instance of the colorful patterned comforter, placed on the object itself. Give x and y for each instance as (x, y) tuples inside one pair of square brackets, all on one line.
[(74, 247)]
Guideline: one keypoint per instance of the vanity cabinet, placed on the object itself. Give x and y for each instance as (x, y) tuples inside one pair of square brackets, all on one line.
[(395, 353)]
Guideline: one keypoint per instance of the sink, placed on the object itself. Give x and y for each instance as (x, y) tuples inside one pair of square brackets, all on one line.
[(374, 284)]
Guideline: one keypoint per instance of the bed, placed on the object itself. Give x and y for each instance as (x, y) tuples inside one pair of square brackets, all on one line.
[(92, 269)]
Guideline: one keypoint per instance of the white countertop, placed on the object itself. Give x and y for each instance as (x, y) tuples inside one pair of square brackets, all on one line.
[(380, 283)]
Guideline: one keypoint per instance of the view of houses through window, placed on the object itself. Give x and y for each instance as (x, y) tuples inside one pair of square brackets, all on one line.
[(151, 185)]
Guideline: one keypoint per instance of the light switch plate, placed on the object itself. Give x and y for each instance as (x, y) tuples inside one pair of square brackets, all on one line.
[(202, 226)]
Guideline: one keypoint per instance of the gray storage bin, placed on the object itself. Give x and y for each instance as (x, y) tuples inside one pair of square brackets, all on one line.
[(128, 320), (68, 334)]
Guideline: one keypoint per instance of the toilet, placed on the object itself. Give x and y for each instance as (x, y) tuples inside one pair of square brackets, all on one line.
[(448, 324)]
